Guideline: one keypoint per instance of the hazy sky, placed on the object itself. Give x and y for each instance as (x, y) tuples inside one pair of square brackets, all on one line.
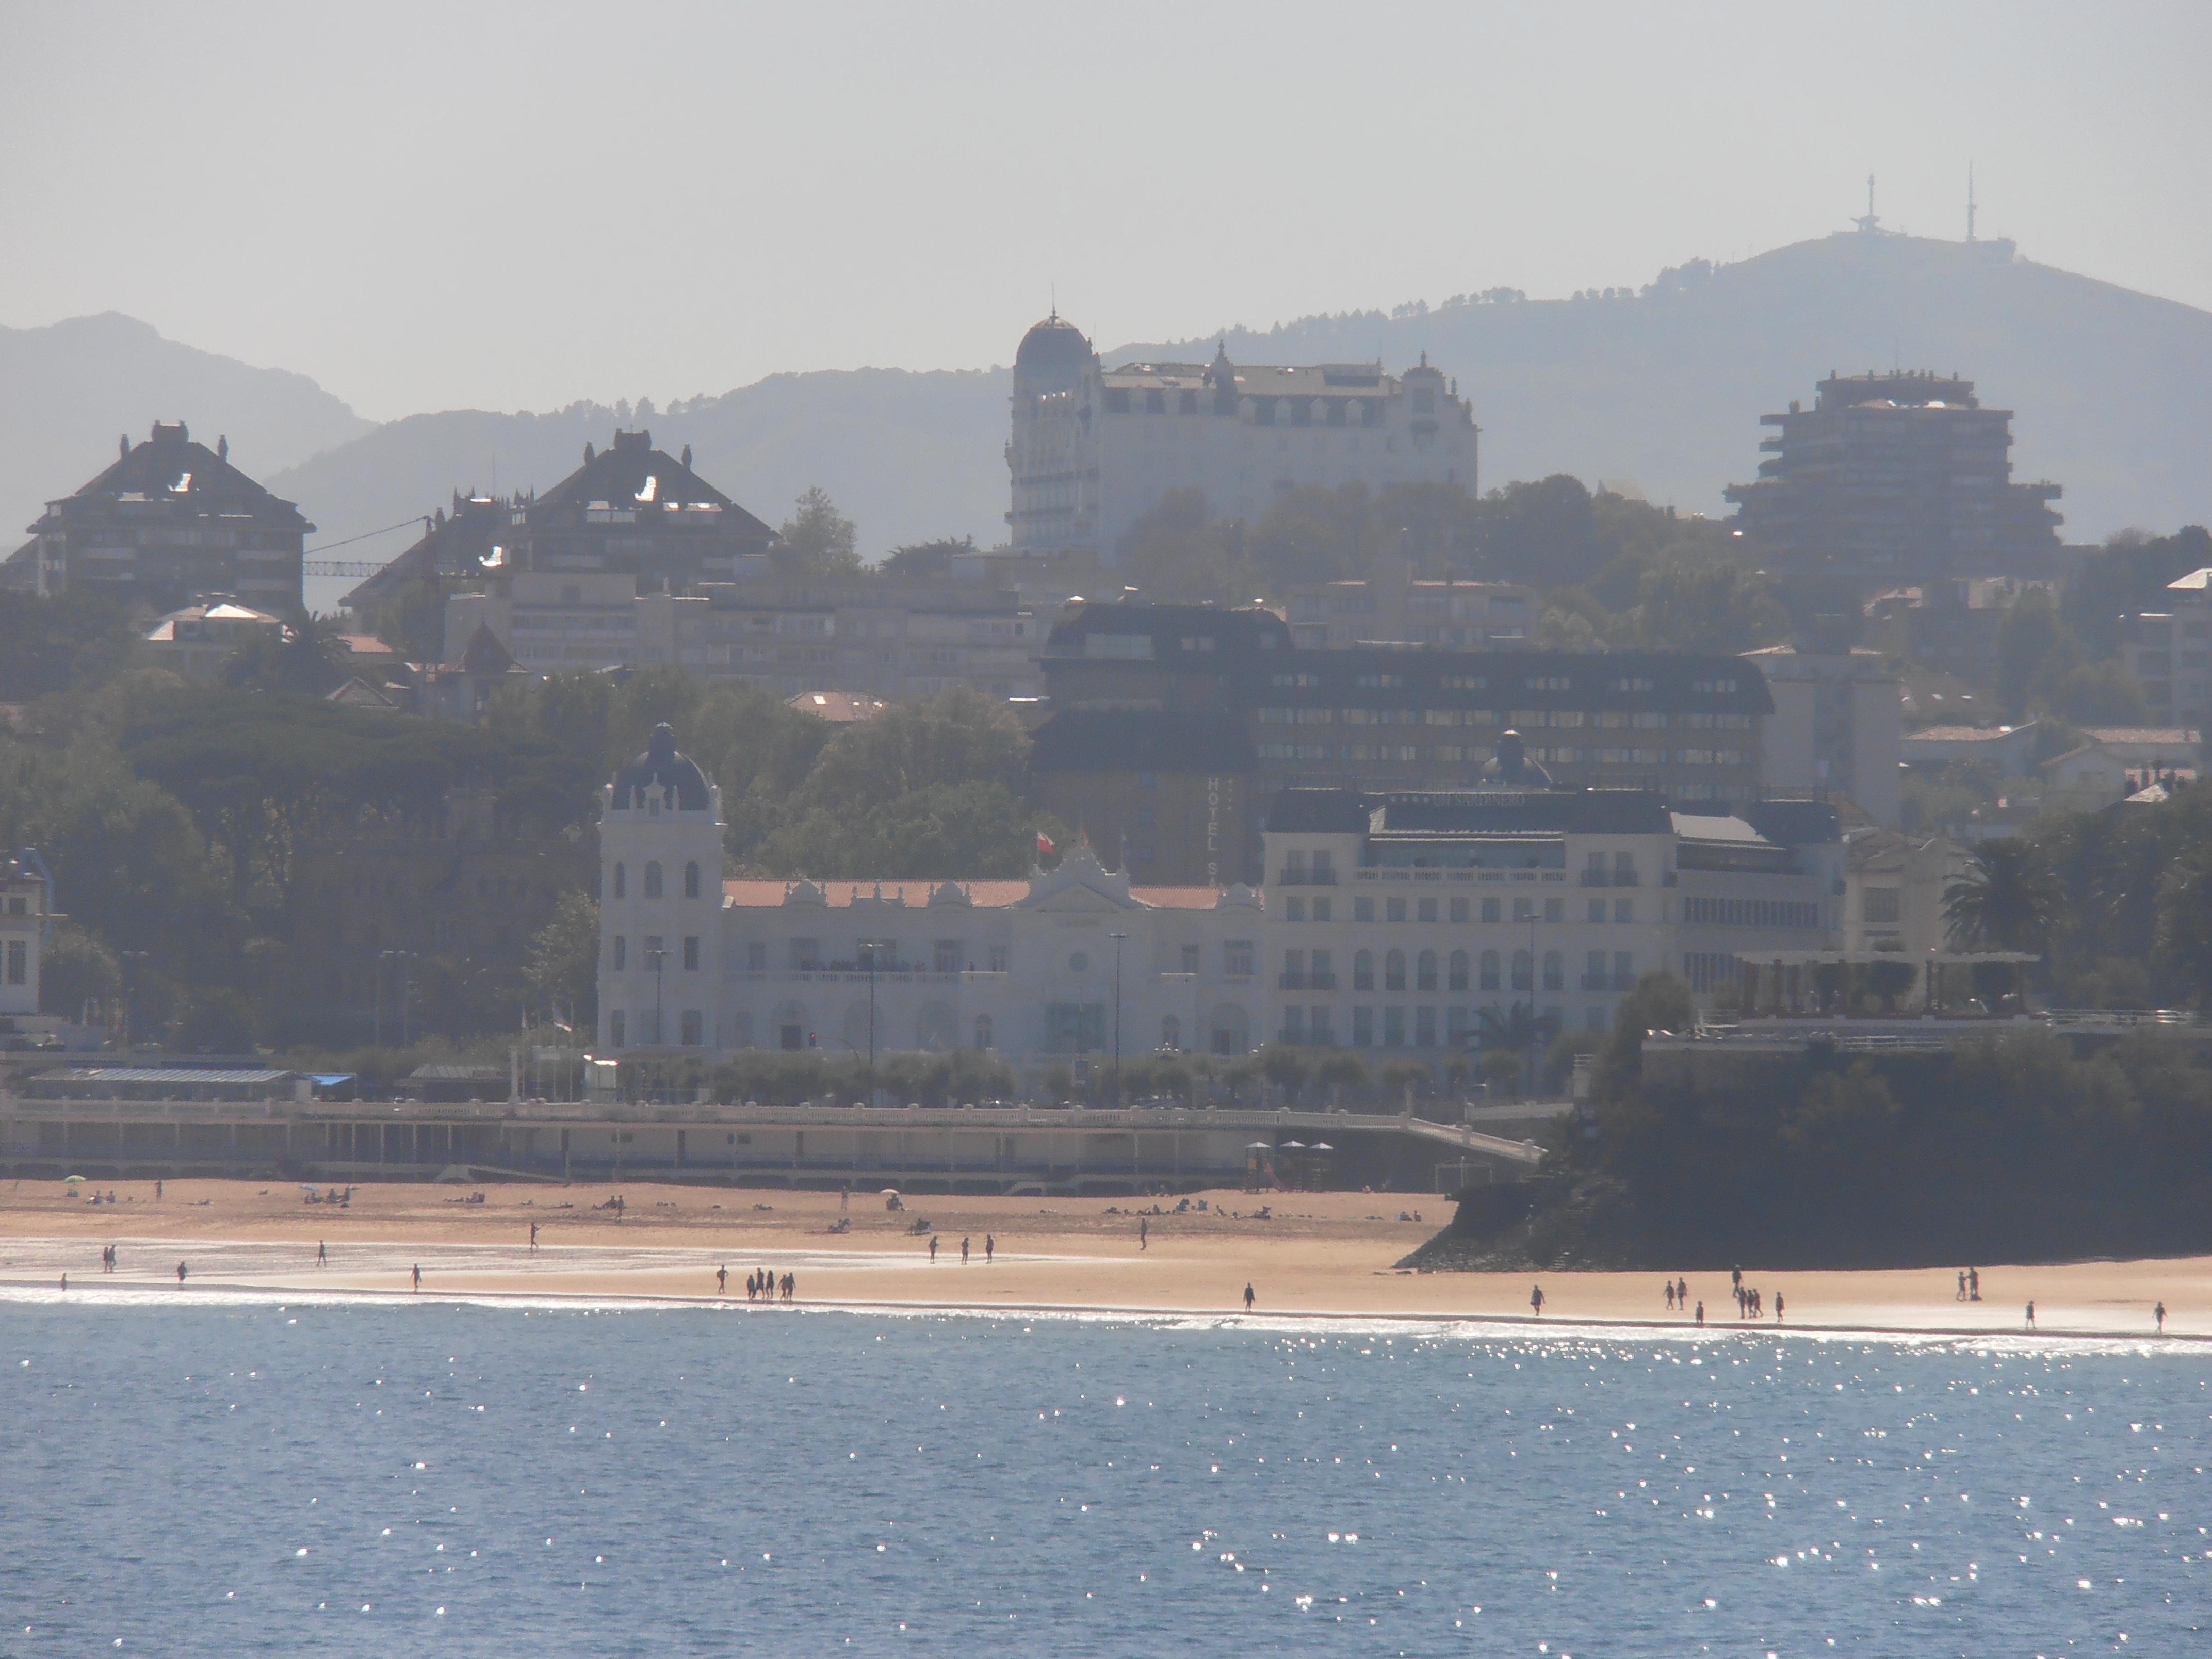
[(515, 206)]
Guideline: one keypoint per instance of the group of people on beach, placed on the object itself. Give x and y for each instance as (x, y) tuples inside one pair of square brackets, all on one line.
[(1678, 1299), (760, 1285)]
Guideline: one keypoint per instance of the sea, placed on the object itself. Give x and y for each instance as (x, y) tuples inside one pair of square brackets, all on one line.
[(245, 1474)]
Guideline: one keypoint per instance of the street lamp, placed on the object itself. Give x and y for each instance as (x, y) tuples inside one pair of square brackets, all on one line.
[(868, 949), (1117, 938), (130, 994)]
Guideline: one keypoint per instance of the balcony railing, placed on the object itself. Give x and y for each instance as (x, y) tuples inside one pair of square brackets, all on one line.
[(1610, 879), (1289, 878)]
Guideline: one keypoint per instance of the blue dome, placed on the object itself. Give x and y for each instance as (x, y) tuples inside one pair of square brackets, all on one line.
[(1052, 353), (661, 767)]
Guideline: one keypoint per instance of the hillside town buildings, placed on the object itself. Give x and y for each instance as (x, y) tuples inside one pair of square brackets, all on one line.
[(1400, 608), (170, 518), (1092, 449), (1893, 478), (27, 922)]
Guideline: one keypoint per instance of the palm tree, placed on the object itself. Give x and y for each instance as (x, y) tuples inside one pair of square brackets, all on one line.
[(1519, 1030), (2007, 900)]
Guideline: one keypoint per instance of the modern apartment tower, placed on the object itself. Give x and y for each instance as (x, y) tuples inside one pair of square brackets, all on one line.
[(1896, 478)]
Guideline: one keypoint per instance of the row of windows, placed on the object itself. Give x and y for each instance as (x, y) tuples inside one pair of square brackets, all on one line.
[(1316, 1026), (653, 957), (1521, 720), (690, 1027), (948, 956), (1460, 970), (1751, 912), (653, 880), (1300, 909), (1469, 754)]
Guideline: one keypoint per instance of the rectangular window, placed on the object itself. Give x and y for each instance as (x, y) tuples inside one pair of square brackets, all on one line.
[(1459, 909), (1294, 970), (1294, 1023), (1324, 974), (1237, 958), (618, 1028), (1394, 909), (18, 965), (1524, 909), (1882, 904), (1394, 1027), (1323, 909), (1190, 958), (945, 956), (806, 952), (1490, 911), (1075, 1028), (1323, 1036), (1624, 910), (756, 956), (998, 958), (1294, 909), (692, 1029), (1555, 910), (1597, 909), (622, 952), (1624, 970), (1593, 972), (1425, 1027), (1362, 1028), (1428, 910), (692, 953), (1363, 910)]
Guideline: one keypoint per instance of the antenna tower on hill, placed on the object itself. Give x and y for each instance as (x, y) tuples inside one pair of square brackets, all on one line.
[(1870, 225)]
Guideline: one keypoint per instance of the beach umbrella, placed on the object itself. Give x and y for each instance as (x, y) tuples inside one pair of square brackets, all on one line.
[(72, 1181), (1322, 1146), (889, 1192), (1294, 1145), (1261, 1146)]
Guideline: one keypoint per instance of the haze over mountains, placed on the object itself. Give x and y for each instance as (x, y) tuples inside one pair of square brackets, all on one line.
[(1662, 387)]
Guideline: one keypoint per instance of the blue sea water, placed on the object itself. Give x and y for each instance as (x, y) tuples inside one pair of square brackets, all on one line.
[(305, 1478)]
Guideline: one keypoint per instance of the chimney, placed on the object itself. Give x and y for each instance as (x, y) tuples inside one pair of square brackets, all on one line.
[(587, 451), (687, 457), (123, 449), (222, 447)]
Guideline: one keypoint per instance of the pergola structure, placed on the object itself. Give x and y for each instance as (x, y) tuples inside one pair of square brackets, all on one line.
[(1781, 982)]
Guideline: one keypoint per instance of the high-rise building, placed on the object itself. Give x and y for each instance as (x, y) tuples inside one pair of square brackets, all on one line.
[(1092, 449), (170, 520), (1895, 477)]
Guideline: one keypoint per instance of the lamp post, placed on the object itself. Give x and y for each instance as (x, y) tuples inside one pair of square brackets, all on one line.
[(657, 954), (1117, 938), (868, 949)]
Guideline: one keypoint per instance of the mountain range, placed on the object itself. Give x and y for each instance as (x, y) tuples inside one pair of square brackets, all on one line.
[(1659, 388)]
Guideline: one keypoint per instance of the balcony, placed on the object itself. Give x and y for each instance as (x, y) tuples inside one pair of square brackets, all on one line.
[(1321, 980), (1290, 982), (1609, 879), (1289, 878)]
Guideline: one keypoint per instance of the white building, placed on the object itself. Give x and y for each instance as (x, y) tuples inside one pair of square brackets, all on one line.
[(1092, 449), (1039, 972), (26, 916), (1836, 727)]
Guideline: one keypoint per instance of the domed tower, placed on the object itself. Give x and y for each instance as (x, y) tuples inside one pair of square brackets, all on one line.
[(1053, 449), (1054, 357), (660, 902)]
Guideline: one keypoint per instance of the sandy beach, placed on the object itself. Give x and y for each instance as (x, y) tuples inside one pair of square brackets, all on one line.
[(1313, 1254)]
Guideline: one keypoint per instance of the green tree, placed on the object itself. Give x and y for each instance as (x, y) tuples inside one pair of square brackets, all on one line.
[(1714, 607), (412, 621), (308, 658), (817, 540), (1176, 555), (562, 967), (2033, 644), (2007, 900), (924, 560)]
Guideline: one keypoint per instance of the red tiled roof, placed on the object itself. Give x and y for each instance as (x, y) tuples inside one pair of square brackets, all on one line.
[(754, 895)]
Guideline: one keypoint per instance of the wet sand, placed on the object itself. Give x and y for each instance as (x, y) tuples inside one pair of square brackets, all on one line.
[(1316, 1253)]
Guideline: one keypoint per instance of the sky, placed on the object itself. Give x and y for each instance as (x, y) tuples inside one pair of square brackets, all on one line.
[(515, 206)]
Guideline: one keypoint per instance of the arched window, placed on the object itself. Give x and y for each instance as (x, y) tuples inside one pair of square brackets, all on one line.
[(1555, 973), (653, 879), (1458, 970), (1524, 971), (1490, 970), (691, 879), (982, 1030), (617, 1029), (1394, 971), (622, 881), (1172, 1035), (1425, 971), (1362, 970)]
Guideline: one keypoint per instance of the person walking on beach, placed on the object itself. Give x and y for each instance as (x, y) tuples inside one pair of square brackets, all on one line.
[(1682, 1293), (157, 1192), (1670, 1296), (1701, 1313), (932, 1250), (990, 1247), (845, 1197), (1736, 1277), (1144, 1234), (963, 1252), (418, 1276), (790, 1286), (1248, 1296), (64, 1283), (2031, 1315), (1973, 1284), (1536, 1300), (1778, 1307), (1961, 1295), (533, 1238), (2160, 1311), (180, 1275), (322, 1254), (722, 1280)]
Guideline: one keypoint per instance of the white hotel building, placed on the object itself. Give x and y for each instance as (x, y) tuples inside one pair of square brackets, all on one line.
[(1386, 923)]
